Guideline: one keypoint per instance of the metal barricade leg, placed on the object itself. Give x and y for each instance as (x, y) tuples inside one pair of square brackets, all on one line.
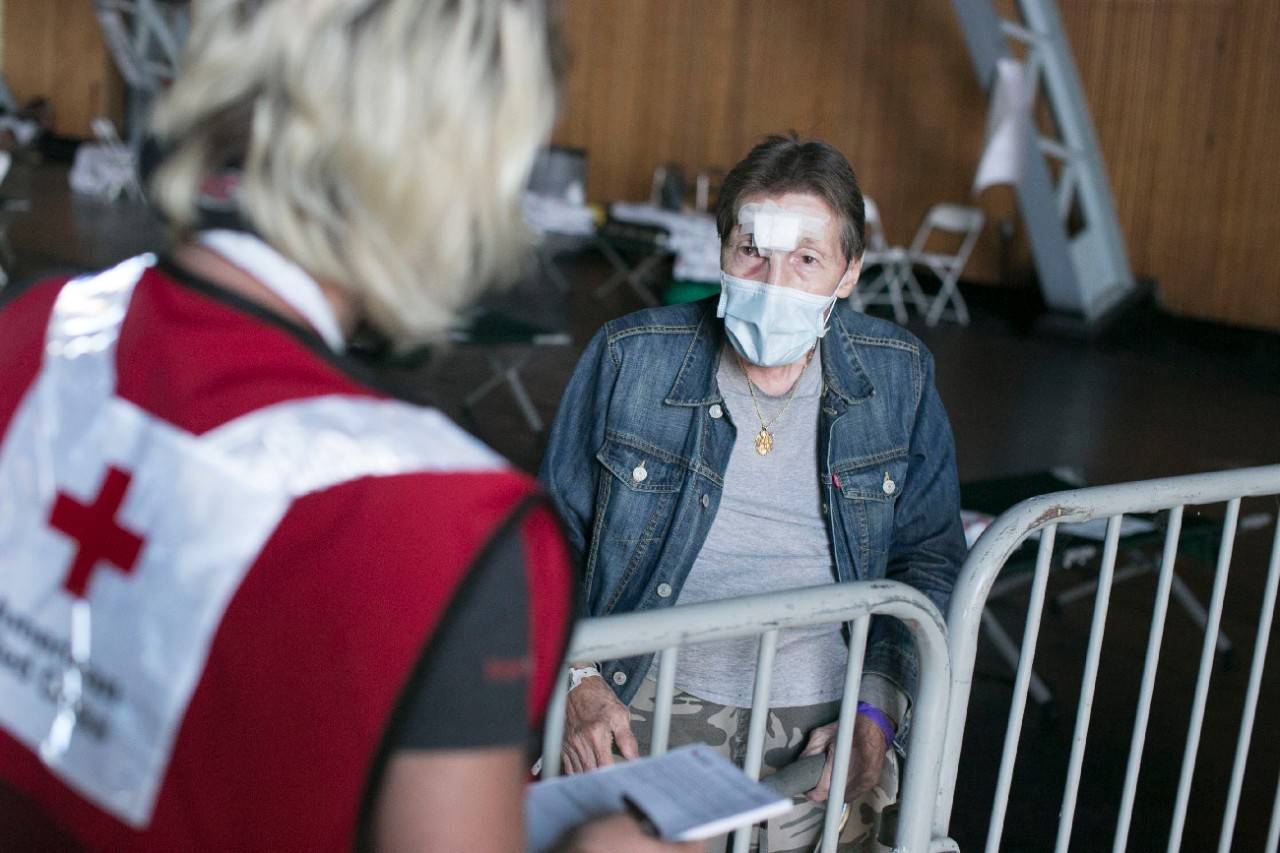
[(1249, 714), (1089, 683), (759, 718), (1022, 682), (662, 701), (1205, 672), (553, 728), (1154, 639), (844, 735)]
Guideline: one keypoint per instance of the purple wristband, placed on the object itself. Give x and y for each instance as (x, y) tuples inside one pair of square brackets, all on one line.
[(875, 715)]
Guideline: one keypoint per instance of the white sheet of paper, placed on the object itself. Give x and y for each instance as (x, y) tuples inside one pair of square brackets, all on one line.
[(688, 794), (1008, 126)]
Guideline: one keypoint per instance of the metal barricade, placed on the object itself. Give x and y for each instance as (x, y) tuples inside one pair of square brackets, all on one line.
[(1044, 514), (665, 631)]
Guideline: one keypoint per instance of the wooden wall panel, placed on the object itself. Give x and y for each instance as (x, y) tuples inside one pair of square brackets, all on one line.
[(699, 83), (1185, 95), (55, 49), (1187, 104)]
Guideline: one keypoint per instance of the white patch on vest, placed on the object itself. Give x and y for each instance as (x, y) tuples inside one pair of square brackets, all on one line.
[(203, 506), (307, 445)]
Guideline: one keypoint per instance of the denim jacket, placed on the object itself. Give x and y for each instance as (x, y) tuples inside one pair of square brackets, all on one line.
[(637, 455)]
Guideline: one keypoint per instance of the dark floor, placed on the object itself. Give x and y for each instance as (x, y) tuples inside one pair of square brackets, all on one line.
[(1154, 396)]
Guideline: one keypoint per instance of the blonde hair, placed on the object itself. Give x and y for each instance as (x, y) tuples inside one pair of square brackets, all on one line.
[(384, 144)]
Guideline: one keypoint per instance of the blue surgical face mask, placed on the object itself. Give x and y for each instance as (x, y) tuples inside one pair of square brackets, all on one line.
[(771, 325)]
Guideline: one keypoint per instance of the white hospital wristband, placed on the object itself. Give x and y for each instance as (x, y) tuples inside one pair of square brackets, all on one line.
[(577, 673)]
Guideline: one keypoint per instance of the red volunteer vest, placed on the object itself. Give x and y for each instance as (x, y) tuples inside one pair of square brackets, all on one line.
[(264, 548)]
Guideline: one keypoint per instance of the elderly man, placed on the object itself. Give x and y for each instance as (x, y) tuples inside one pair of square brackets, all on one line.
[(770, 440)]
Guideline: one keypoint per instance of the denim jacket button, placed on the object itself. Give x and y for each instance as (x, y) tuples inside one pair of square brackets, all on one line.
[(639, 474), (664, 590), (715, 411), (706, 501), (619, 678)]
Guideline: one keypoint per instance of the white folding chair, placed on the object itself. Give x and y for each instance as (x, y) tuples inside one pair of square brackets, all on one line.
[(707, 189), (954, 219), (126, 160), (891, 273)]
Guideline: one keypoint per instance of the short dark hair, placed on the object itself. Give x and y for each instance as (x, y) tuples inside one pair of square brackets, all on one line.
[(788, 163)]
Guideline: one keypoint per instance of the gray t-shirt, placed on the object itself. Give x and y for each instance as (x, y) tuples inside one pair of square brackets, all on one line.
[(769, 534)]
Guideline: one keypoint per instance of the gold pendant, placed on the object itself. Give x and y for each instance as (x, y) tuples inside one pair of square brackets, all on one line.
[(764, 441)]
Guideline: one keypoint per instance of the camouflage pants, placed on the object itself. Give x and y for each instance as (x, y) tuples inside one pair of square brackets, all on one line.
[(725, 728)]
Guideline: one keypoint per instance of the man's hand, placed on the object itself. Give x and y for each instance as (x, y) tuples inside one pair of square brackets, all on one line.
[(619, 833), (594, 721), (865, 760)]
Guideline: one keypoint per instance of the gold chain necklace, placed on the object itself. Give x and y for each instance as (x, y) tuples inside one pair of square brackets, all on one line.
[(764, 438)]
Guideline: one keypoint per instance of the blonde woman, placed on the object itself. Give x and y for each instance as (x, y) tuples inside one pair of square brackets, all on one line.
[(247, 601)]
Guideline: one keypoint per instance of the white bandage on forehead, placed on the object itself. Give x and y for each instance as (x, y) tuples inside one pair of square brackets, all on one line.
[(774, 228)]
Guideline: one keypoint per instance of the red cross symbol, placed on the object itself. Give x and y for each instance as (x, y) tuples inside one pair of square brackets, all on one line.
[(96, 532)]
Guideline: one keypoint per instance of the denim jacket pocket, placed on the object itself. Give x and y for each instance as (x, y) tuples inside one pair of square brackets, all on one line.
[(870, 491), (638, 494)]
